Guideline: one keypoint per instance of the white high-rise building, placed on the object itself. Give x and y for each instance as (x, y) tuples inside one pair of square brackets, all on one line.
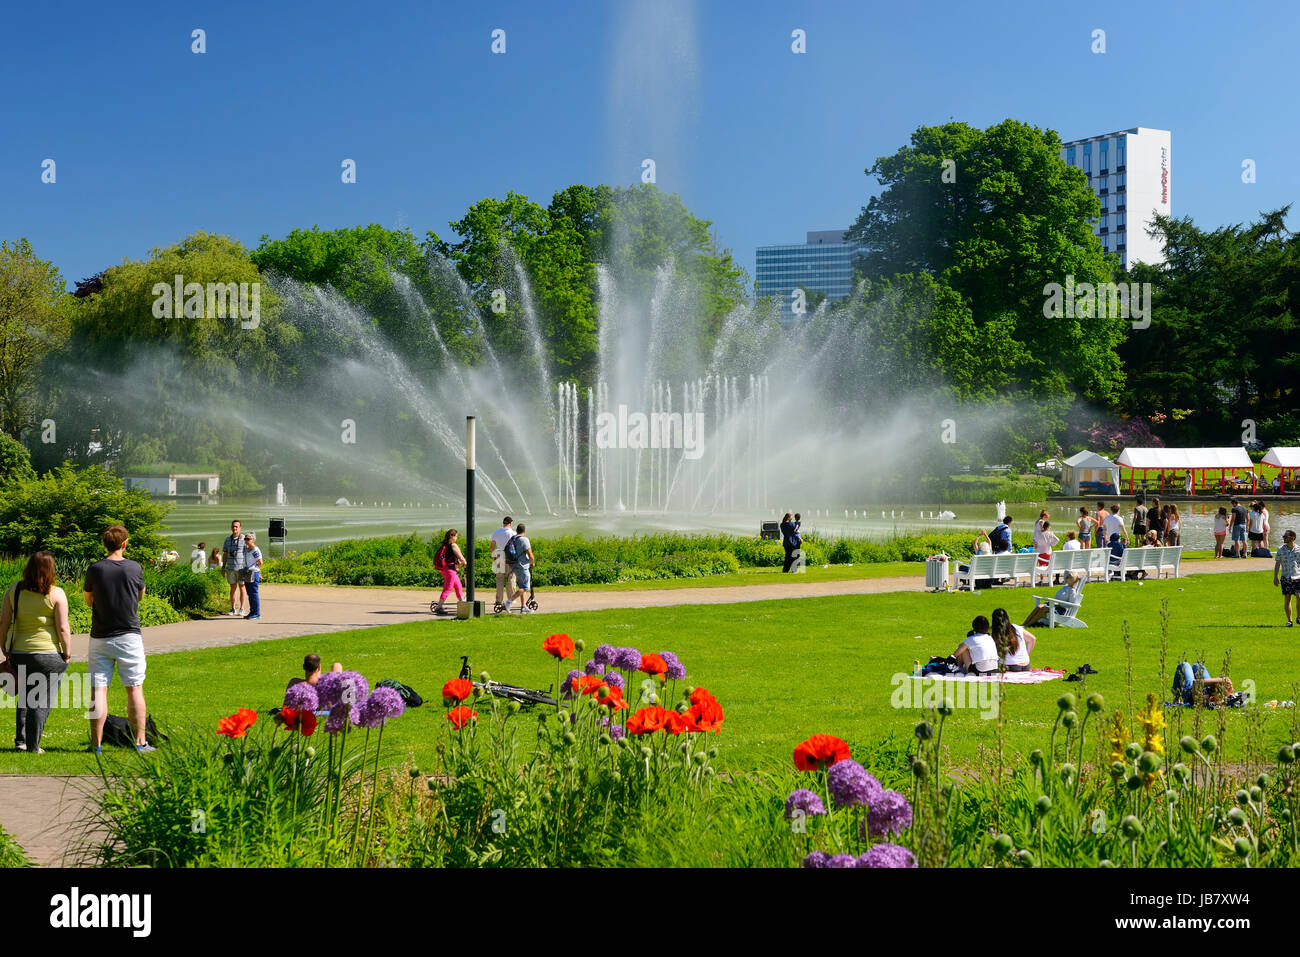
[(1130, 172)]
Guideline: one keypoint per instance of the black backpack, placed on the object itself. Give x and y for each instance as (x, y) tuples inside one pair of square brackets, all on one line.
[(409, 696), (118, 733), (511, 551)]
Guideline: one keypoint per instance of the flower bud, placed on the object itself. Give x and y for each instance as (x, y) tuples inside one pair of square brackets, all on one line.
[(1065, 702), (945, 710), (1132, 750), (1117, 768), (431, 783), (1025, 858), (414, 772), (1002, 845), (579, 644), (1131, 827), (1262, 780), (570, 738), (709, 772), (713, 752), (484, 677), (617, 775), (562, 717), (1243, 797), (1257, 794), (1181, 772), (1285, 754), (605, 739), (1070, 719), (1171, 797), (1236, 816), (1036, 757), (1134, 782), (1242, 847), (688, 690), (684, 747), (645, 751), (1188, 744), (1043, 805), (1095, 702), (925, 731), (1150, 762), (311, 753), (622, 743), (701, 757), (1067, 773), (920, 768), (1209, 744), (1104, 863)]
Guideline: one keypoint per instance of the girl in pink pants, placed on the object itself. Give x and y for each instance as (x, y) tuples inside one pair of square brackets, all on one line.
[(447, 560)]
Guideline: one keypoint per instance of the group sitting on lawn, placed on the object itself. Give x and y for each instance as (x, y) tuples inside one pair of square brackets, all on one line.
[(978, 652)]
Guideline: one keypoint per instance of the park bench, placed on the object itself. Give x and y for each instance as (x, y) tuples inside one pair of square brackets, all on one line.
[(1087, 563), (1013, 565), (1160, 561)]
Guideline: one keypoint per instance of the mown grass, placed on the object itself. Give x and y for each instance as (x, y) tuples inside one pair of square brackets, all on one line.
[(782, 669)]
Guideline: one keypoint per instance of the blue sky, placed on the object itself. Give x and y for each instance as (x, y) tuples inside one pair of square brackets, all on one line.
[(153, 141)]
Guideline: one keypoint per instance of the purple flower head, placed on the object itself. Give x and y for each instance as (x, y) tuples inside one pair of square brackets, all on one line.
[(566, 686), (329, 689), (355, 689), (339, 717), (383, 703), (301, 697), (842, 860), (613, 679), (676, 670), (615, 730), (887, 855), (888, 814), (594, 667), (815, 860), (850, 784), (806, 801), (604, 655), (627, 659)]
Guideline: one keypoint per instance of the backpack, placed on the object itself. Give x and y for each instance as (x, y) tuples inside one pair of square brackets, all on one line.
[(409, 696), (440, 559), (999, 543), (1260, 552), (511, 551), (941, 666), (118, 732)]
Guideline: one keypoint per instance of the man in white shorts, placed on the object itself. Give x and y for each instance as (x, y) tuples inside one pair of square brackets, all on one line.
[(505, 574), (113, 588)]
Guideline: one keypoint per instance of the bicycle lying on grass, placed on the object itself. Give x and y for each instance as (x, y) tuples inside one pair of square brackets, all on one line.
[(525, 696)]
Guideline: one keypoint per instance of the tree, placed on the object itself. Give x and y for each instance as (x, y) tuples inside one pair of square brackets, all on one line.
[(31, 326), (997, 215)]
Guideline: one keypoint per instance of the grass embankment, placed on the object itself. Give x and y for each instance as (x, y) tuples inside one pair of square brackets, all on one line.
[(782, 669)]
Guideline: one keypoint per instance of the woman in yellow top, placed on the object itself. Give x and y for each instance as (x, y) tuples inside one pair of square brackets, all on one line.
[(36, 642)]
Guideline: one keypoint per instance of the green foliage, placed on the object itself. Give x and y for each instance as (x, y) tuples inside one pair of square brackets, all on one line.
[(11, 853), (1222, 342), (185, 589), (15, 460), (66, 510), (31, 327)]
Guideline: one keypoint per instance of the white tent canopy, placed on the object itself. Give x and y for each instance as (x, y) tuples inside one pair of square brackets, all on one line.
[(1181, 459), (1087, 466), (1283, 457)]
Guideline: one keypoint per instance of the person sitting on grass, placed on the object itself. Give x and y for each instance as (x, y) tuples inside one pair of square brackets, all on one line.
[(978, 653), (311, 668), (1071, 591), (1013, 641)]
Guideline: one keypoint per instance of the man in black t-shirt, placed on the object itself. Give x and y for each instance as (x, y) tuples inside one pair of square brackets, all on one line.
[(113, 589), (1238, 530)]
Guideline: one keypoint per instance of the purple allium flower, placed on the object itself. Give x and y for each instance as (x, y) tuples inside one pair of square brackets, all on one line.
[(676, 670), (616, 731), (806, 801), (850, 784), (842, 860), (355, 688), (329, 690), (888, 814), (815, 859), (887, 855), (594, 667), (301, 697), (613, 679), (340, 715), (627, 659), (604, 655), (383, 703), (566, 686)]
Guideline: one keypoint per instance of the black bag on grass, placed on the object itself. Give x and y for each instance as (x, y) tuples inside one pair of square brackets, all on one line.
[(118, 733), (409, 697)]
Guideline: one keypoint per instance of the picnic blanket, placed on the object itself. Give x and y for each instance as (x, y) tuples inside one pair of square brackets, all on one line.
[(1034, 676)]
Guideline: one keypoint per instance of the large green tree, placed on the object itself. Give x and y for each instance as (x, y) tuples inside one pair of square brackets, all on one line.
[(31, 327), (997, 216), (1221, 348)]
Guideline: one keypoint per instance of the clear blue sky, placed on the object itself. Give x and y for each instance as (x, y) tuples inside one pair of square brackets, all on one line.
[(152, 141)]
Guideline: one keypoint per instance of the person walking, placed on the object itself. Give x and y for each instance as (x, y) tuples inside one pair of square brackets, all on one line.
[(113, 588), (505, 574), (232, 560), (1286, 572), (789, 540), (34, 621), (447, 559), (1114, 525), (523, 568), (252, 576)]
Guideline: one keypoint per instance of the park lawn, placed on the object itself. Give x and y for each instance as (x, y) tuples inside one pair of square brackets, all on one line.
[(782, 669), (759, 576)]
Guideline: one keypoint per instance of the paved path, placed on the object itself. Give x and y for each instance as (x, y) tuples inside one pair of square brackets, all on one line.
[(40, 809)]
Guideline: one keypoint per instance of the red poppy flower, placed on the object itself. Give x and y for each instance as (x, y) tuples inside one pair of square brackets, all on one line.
[(705, 716), (675, 723), (648, 720), (701, 695), (459, 717), (456, 690), (237, 725), (820, 751), (652, 665), (586, 684), (614, 699), (304, 721), (561, 646)]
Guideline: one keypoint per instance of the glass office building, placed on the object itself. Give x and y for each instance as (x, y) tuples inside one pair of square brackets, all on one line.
[(822, 264)]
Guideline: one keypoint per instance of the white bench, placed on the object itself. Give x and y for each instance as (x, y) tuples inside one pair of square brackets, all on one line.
[(1157, 561), (1067, 619), (1087, 563), (1013, 565)]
